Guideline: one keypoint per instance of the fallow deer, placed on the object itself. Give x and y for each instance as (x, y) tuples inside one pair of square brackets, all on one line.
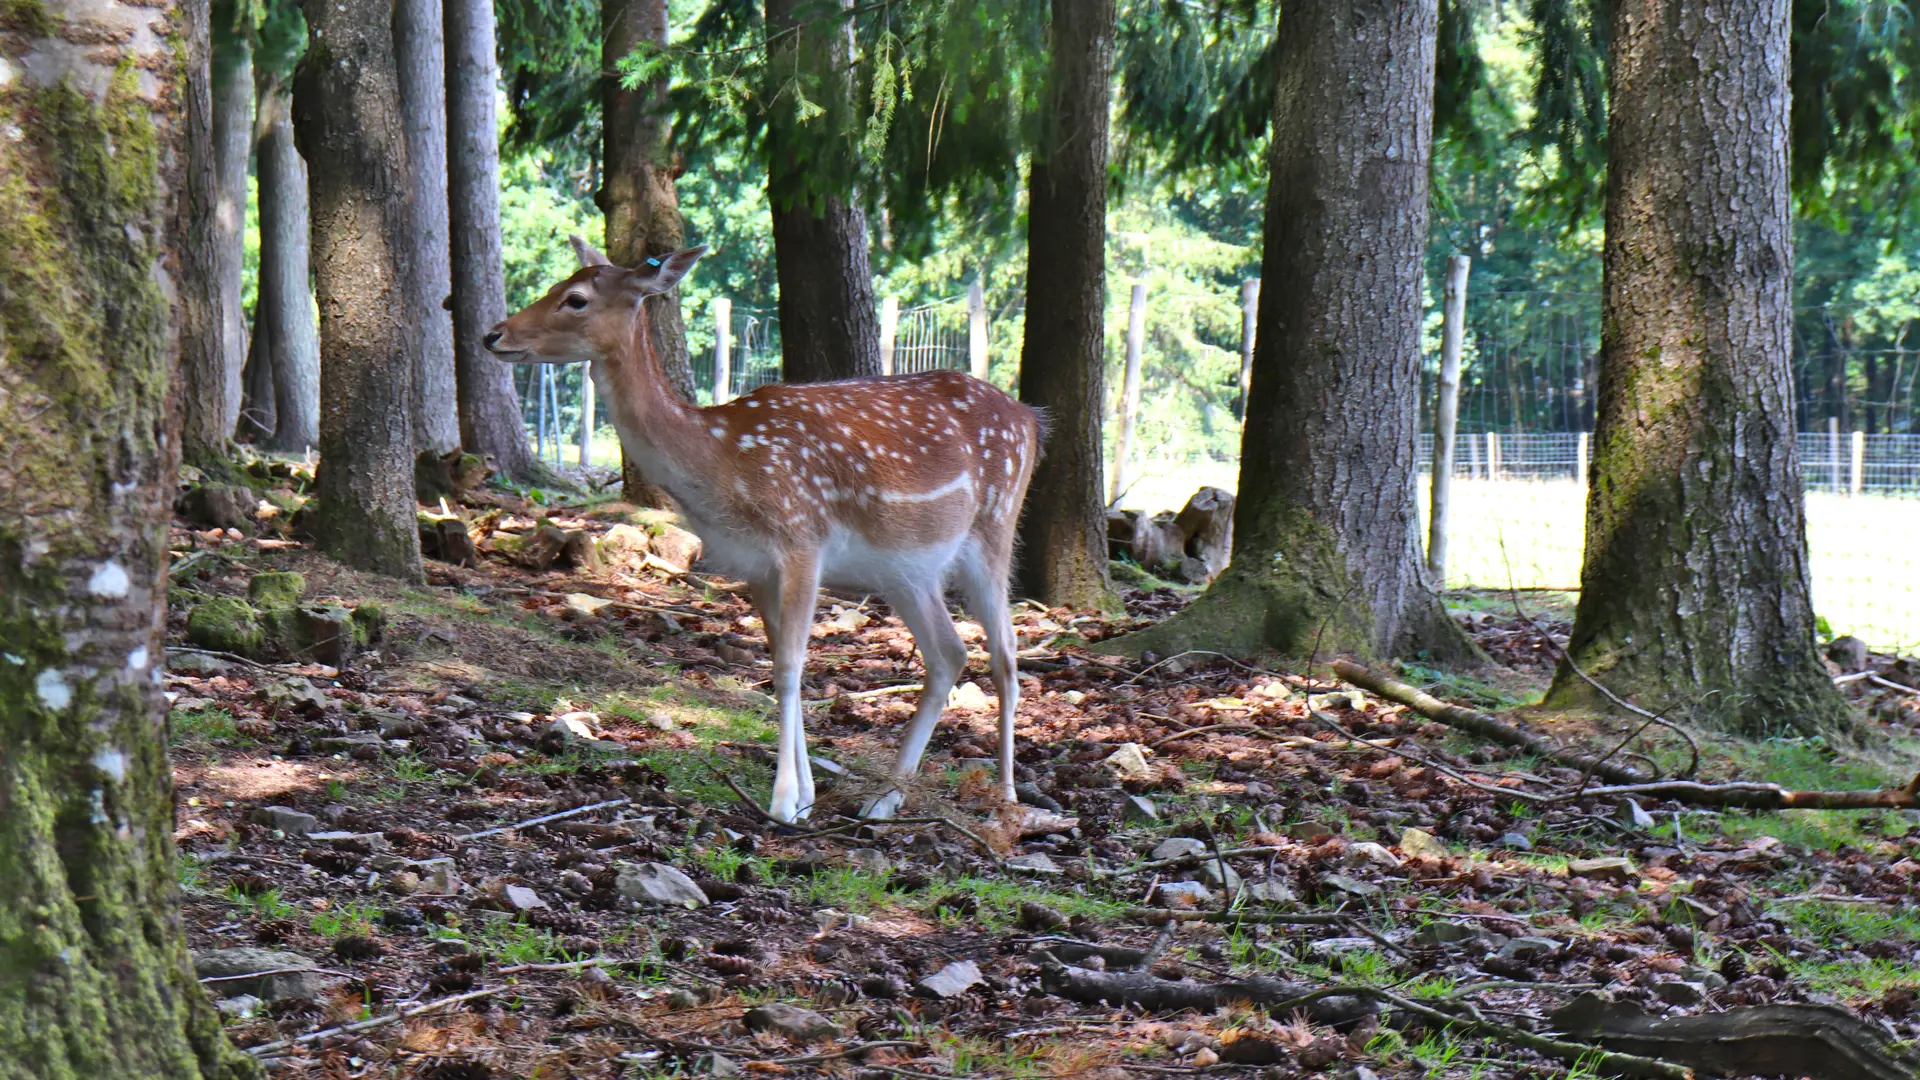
[(891, 485)]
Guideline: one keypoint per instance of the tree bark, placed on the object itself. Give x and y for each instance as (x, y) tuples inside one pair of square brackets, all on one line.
[(212, 349), (489, 407), (1063, 549), (94, 188), (1694, 590), (259, 414), (420, 50), (346, 113), (1327, 554), (829, 321), (284, 318), (637, 193), (232, 145)]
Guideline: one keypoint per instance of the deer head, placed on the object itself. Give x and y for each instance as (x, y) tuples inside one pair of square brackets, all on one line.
[(591, 313)]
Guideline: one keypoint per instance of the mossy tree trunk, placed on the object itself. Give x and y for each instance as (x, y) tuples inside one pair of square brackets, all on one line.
[(1063, 532), (346, 113), (829, 321), (489, 407), (283, 322), (1694, 593), (1327, 556), (94, 975), (637, 193), (420, 53), (201, 396)]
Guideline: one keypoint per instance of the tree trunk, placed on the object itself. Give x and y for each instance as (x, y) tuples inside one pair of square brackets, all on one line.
[(232, 145), (285, 306), (1327, 554), (94, 974), (210, 334), (1063, 549), (259, 414), (637, 193), (420, 51), (829, 322), (489, 407), (1694, 593), (346, 113)]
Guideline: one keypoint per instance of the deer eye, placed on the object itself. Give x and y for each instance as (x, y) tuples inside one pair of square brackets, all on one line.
[(574, 302)]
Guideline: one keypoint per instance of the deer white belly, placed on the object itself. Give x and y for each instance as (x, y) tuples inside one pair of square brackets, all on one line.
[(849, 561)]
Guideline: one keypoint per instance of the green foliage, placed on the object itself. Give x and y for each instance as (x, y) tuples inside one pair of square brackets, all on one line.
[(346, 919)]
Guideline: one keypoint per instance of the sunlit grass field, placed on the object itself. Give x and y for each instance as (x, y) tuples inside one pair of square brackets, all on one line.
[(1528, 533)]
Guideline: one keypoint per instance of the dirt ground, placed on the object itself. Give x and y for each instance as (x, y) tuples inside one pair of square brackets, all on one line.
[(963, 940)]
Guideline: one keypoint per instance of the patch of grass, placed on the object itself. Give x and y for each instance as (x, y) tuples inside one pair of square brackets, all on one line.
[(696, 774), (408, 768), (346, 919), (265, 907), (186, 870), (336, 790), (1454, 686), (1827, 922), (1000, 901), (848, 888), (204, 727), (1855, 980), (518, 943), (707, 721)]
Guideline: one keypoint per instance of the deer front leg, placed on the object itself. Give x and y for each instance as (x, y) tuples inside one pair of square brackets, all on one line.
[(925, 613), (786, 607)]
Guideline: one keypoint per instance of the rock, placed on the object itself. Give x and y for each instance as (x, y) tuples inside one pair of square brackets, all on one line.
[(1206, 524), (584, 725), (1130, 762), (239, 1008), (1368, 851), (226, 624), (1516, 841), (1442, 932), (1614, 868), (1182, 893), (1218, 874), (950, 981), (1419, 843), (1633, 817), (968, 697), (1529, 949), (322, 633), (872, 860), (1272, 891), (624, 541), (1175, 847), (1034, 822), (521, 898), (218, 506), (294, 976), (1139, 810), (658, 883), (798, 1024), (1036, 861), (294, 693), (287, 820), (282, 588), (717, 1065), (1326, 947), (1849, 652), (675, 545), (1680, 993), (197, 663), (1308, 830), (1350, 886), (586, 604), (400, 726)]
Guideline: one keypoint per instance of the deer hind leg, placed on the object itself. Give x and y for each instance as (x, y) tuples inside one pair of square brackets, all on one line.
[(786, 606), (924, 611), (987, 598)]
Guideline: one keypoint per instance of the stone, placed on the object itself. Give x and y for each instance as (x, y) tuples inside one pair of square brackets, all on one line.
[(582, 725), (658, 883), (586, 604), (400, 726), (950, 981), (1350, 886), (675, 545), (1849, 653), (1139, 810), (1308, 830), (197, 663), (1036, 861), (226, 624), (1218, 874), (624, 539), (872, 860), (1531, 949), (1182, 893), (241, 971), (1516, 841), (1419, 843), (717, 1065), (286, 819), (295, 693), (521, 898), (967, 697), (1130, 762), (1633, 817), (1369, 852), (1706, 977), (1442, 932), (1680, 993), (219, 506), (1613, 868), (798, 1024), (1175, 847), (280, 588), (1272, 891), (239, 1008)]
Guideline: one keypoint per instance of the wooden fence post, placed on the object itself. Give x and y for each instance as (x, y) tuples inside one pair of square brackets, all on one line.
[(889, 323), (977, 329), (1857, 480), (1582, 447), (1249, 312), (586, 418), (722, 350), (1833, 454), (1446, 413), (1130, 391), (1493, 456)]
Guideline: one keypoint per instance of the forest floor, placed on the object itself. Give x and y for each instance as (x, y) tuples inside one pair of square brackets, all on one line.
[(970, 940)]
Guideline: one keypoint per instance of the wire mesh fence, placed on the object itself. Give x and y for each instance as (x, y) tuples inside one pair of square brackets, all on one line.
[(931, 337)]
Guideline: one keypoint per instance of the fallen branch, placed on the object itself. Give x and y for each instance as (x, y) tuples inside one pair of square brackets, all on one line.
[(1160, 917), (1758, 796), (1181, 860), (1817, 1041), (1421, 759), (1165, 995), (1479, 723), (575, 812), (368, 1025)]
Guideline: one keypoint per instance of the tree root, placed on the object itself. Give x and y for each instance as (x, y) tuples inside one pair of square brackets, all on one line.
[(1817, 1041)]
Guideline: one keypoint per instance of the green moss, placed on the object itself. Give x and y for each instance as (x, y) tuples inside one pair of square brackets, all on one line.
[(227, 624), (369, 622), (29, 17), (282, 588)]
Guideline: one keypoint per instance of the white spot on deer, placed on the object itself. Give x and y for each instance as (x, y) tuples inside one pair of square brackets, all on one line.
[(717, 431), (752, 404), (110, 579), (746, 442), (740, 487), (112, 762), (52, 687), (961, 483)]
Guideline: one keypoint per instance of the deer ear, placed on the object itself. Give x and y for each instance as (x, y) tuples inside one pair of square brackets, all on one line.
[(661, 275), (585, 252)]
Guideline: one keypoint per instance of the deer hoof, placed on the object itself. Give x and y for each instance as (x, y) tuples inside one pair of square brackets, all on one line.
[(883, 806)]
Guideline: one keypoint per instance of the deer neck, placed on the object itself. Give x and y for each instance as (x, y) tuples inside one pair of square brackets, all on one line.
[(660, 432)]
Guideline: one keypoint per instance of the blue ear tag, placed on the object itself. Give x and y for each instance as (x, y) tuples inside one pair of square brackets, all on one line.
[(653, 262)]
